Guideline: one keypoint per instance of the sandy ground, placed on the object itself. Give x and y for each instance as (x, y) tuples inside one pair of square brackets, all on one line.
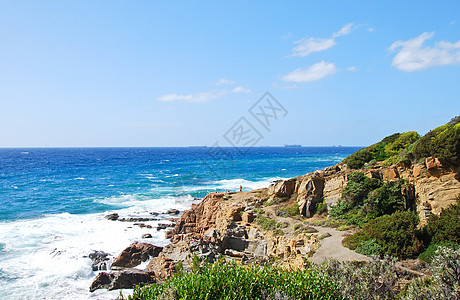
[(331, 247)]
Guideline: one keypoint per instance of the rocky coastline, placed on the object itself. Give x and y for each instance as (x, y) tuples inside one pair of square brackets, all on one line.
[(232, 224)]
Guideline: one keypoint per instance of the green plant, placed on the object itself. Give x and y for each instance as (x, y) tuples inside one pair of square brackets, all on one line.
[(369, 248), (396, 234), (321, 207), (445, 227), (343, 227), (430, 252), (227, 280)]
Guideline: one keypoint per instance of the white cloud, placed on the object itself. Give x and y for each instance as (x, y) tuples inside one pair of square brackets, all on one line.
[(371, 29), (413, 55), (452, 22), (346, 29), (204, 96), (352, 69), (224, 81), (312, 73), (309, 45), (197, 98), (240, 89)]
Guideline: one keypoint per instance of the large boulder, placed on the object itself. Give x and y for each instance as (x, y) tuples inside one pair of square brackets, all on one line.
[(127, 279), (282, 188), (309, 192), (136, 254)]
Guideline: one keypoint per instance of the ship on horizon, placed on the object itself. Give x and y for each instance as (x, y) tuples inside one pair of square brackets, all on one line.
[(292, 145)]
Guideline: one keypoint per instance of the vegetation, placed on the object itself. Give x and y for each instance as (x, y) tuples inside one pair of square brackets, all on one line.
[(442, 142), (445, 282), (396, 235), (390, 148), (227, 280), (365, 198), (406, 148), (270, 224), (445, 227)]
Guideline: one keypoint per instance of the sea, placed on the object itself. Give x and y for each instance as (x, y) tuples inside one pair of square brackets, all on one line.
[(53, 203)]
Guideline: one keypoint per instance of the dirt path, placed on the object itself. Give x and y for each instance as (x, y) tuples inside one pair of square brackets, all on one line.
[(331, 247)]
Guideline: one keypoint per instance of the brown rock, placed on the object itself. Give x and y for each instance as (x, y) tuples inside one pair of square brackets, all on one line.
[(390, 173), (121, 280), (247, 217), (136, 254), (162, 267), (432, 163), (282, 188)]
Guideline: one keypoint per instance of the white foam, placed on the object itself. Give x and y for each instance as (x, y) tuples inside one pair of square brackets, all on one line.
[(45, 258)]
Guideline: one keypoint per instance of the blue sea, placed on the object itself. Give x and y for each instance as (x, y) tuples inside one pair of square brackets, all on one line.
[(53, 202)]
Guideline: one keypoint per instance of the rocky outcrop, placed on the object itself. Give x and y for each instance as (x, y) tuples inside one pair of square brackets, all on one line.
[(100, 260), (282, 188), (121, 280), (135, 254)]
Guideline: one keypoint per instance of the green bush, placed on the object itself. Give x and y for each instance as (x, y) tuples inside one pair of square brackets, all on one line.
[(227, 280), (442, 142), (386, 199), (445, 227), (358, 188), (369, 248), (321, 207), (430, 252), (358, 159), (445, 282), (396, 235), (390, 149)]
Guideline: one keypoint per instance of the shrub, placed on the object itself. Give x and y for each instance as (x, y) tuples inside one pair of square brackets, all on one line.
[(369, 248), (386, 199), (227, 280), (445, 283), (442, 142), (358, 159), (373, 280), (321, 207), (445, 227), (429, 253), (358, 188), (396, 235)]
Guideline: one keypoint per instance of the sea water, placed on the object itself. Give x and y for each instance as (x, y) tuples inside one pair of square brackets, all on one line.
[(53, 203)]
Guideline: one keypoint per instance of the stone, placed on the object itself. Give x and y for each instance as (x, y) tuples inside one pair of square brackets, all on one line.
[(112, 217), (147, 236), (282, 188), (310, 192), (432, 163), (136, 254), (164, 226), (100, 260), (390, 173), (247, 217), (162, 267), (121, 280), (173, 212), (417, 170)]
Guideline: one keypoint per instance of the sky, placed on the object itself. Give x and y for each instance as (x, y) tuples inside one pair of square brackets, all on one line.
[(180, 73)]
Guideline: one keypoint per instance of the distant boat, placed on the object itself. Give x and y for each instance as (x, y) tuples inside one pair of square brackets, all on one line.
[(198, 146), (292, 146)]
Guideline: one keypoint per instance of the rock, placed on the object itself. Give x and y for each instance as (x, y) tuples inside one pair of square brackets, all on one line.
[(100, 260), (247, 217), (169, 234), (162, 267), (173, 212), (112, 217), (390, 173), (432, 163), (164, 226), (136, 254), (282, 188), (310, 192), (147, 236), (417, 170), (137, 219), (333, 188), (121, 280)]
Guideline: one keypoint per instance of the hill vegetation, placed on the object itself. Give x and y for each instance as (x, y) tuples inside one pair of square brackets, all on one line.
[(406, 148)]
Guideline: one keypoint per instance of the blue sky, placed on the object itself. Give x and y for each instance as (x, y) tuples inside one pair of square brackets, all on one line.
[(145, 73)]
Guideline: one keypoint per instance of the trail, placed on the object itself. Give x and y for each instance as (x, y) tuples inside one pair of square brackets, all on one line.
[(331, 247)]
